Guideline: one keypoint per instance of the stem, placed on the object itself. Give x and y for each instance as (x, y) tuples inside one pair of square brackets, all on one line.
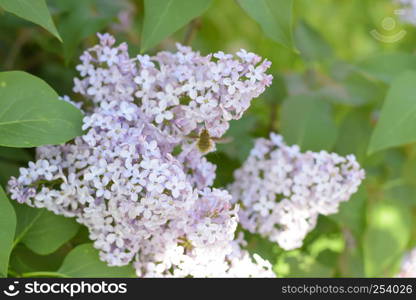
[(192, 29), (43, 274)]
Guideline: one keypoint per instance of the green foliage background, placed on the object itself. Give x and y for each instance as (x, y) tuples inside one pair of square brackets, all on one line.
[(336, 88)]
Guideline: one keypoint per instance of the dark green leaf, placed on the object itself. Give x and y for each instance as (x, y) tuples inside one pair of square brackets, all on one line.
[(24, 260), (311, 44), (227, 164), (301, 265), (386, 237), (361, 89), (16, 155), (351, 260), (8, 169), (307, 122), (274, 17), (352, 214), (317, 260), (11, 159), (164, 17), (354, 135), (31, 113), (257, 244), (350, 86), (397, 123), (7, 231), (386, 67), (35, 11), (240, 142), (84, 262), (42, 231), (82, 19)]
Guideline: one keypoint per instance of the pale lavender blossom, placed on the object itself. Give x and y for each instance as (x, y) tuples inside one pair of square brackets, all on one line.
[(139, 183), (194, 91), (115, 180), (283, 191), (122, 179)]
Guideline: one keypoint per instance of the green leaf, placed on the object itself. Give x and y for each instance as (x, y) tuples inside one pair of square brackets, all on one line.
[(256, 244), (24, 260), (35, 11), (317, 257), (354, 135), (82, 19), (299, 264), (350, 86), (228, 166), (42, 231), (388, 232), (7, 230), (241, 142), (31, 113), (354, 91), (11, 159), (8, 169), (351, 262), (307, 122), (406, 193), (13, 154), (164, 17), (386, 67), (351, 214), (311, 44), (84, 261), (274, 17), (276, 93), (362, 89), (397, 123)]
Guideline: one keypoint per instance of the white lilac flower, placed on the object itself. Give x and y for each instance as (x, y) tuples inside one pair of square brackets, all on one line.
[(122, 198), (200, 171), (282, 191), (198, 91), (197, 244), (139, 200), (180, 93), (242, 264), (408, 268)]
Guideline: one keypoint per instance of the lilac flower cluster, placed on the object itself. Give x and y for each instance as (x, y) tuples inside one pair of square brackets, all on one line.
[(282, 191), (408, 268), (139, 181), (194, 92), (122, 179)]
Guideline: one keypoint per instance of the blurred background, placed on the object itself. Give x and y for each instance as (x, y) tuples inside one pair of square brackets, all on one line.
[(349, 51)]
